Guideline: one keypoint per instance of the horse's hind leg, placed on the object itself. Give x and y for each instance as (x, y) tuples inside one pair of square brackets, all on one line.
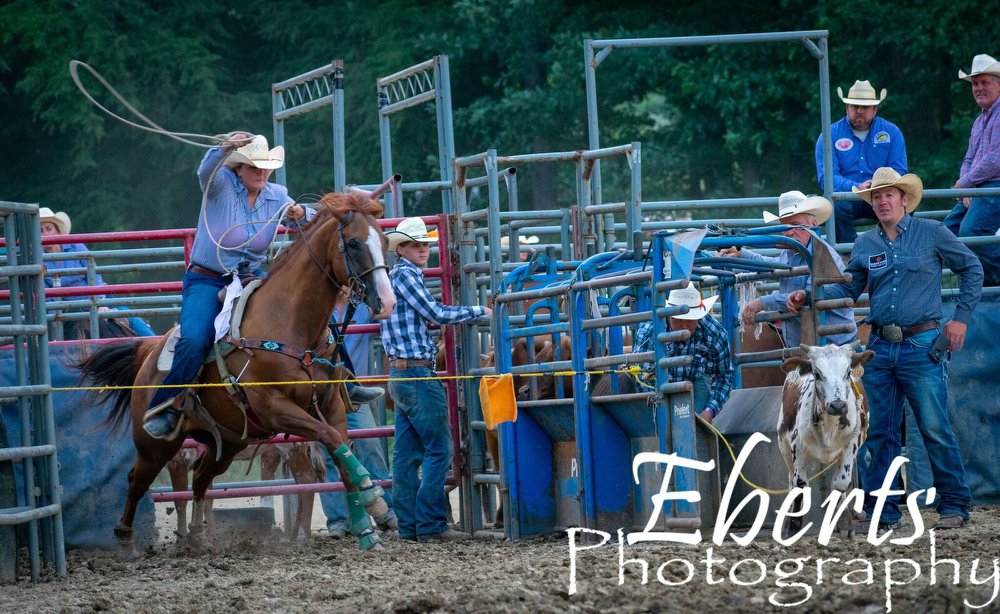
[(178, 469), (148, 463), (206, 470)]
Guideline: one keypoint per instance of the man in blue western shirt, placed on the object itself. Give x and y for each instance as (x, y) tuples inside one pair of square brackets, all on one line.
[(900, 261), (862, 142)]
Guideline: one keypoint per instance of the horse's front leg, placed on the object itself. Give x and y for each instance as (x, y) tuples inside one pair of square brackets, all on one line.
[(364, 497), (205, 471)]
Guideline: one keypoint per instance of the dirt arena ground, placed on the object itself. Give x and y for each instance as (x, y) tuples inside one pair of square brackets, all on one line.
[(323, 574)]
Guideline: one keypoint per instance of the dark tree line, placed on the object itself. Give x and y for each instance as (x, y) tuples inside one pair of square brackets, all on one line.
[(717, 121)]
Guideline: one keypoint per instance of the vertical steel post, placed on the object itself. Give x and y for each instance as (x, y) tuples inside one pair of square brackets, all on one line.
[(278, 125), (446, 132), (825, 118), (339, 149)]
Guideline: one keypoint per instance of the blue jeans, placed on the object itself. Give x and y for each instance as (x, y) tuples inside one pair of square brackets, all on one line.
[(904, 370), (423, 442), (369, 452), (849, 213), (200, 304), (982, 218)]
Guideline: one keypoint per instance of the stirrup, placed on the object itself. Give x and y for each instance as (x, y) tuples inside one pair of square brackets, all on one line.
[(167, 410)]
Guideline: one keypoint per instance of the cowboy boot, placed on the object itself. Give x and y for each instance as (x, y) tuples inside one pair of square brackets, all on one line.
[(364, 394), (162, 420)]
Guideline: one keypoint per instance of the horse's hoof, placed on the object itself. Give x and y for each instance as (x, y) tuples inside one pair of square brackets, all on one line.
[(370, 541)]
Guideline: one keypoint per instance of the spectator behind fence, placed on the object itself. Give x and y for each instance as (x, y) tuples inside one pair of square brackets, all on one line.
[(980, 216), (805, 213), (368, 450), (423, 448), (862, 142), (711, 368), (60, 224), (900, 262), (236, 225)]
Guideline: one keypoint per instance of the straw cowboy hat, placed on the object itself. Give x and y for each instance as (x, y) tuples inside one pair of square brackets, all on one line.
[(256, 154), (982, 64), (699, 308), (862, 94), (795, 202), (886, 177), (410, 229), (61, 220)]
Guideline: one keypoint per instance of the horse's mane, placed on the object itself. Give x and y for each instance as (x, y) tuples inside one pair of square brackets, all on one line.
[(332, 205)]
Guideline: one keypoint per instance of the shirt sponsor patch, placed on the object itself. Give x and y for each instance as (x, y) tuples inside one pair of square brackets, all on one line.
[(844, 144), (878, 261), (882, 137)]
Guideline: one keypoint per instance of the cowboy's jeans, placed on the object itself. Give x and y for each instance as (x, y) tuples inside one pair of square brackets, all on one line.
[(423, 442), (369, 452), (904, 370), (200, 304), (982, 218)]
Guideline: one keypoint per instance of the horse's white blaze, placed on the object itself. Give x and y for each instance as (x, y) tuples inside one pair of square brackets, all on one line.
[(382, 285)]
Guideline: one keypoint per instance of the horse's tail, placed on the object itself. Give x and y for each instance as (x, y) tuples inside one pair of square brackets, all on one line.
[(115, 365)]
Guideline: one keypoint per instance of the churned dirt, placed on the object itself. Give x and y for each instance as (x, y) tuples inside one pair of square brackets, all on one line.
[(322, 574)]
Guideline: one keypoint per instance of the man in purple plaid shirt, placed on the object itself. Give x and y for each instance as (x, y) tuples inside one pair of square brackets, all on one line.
[(976, 217)]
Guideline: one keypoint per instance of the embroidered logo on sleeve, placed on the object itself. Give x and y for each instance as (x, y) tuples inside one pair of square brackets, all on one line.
[(878, 261), (844, 144), (883, 137)]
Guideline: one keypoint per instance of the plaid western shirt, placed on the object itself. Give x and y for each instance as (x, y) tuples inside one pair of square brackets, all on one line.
[(982, 159), (405, 333), (709, 348)]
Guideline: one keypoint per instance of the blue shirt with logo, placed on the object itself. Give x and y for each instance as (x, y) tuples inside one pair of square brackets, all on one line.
[(854, 161)]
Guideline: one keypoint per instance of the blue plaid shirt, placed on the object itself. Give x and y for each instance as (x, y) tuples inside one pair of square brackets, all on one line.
[(709, 347), (404, 333)]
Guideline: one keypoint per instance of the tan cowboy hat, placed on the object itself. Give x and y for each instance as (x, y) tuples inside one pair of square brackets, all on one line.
[(862, 94), (61, 220), (410, 229), (886, 177), (256, 154), (982, 64), (699, 308), (795, 202)]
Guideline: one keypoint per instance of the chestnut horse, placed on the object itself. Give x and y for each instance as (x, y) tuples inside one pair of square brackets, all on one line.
[(342, 246)]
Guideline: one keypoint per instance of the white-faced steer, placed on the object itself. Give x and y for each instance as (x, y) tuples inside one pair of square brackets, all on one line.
[(824, 413)]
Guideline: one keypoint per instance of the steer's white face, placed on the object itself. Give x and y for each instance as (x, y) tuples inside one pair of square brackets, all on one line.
[(831, 367)]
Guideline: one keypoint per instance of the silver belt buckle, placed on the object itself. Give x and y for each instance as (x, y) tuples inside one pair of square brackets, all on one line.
[(892, 333)]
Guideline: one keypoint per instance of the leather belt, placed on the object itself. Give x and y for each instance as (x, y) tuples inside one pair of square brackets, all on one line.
[(195, 268), (403, 363), (907, 332)]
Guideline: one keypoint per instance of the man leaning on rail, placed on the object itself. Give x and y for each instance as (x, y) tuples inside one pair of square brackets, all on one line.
[(900, 262)]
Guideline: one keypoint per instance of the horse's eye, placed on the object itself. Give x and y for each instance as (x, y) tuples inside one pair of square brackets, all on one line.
[(353, 244)]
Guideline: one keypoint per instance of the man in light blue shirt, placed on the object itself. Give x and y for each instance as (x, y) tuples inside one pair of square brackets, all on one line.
[(862, 142)]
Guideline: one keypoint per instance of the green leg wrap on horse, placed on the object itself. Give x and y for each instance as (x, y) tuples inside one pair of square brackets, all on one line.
[(361, 524), (356, 472)]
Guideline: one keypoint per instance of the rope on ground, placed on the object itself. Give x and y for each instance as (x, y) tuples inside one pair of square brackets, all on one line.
[(742, 477)]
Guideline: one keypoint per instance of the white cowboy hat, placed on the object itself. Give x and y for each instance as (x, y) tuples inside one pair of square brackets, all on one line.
[(982, 64), (410, 229), (794, 202), (886, 177), (528, 240), (61, 220), (862, 94), (699, 308), (256, 154)]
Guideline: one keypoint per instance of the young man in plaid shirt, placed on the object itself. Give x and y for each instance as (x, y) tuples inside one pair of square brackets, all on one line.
[(423, 439), (711, 370)]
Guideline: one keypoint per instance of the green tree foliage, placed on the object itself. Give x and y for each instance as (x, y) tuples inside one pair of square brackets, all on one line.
[(714, 121)]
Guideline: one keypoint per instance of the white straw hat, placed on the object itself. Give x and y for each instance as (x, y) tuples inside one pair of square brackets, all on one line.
[(256, 154), (794, 202), (982, 64), (61, 220), (410, 229), (699, 308), (862, 94)]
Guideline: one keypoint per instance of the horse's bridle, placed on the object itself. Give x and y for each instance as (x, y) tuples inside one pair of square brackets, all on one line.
[(354, 278)]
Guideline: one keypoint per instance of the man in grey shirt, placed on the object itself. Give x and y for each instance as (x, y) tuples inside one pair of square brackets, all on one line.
[(900, 262)]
